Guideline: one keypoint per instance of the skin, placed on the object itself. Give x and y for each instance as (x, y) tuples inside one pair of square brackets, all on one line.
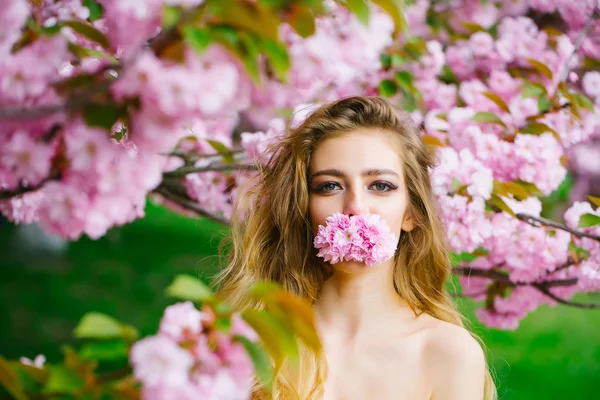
[(375, 346)]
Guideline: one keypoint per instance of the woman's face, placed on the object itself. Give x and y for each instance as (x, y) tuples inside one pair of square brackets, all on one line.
[(359, 172)]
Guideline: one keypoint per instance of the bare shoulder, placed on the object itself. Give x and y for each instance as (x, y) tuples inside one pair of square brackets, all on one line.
[(455, 361)]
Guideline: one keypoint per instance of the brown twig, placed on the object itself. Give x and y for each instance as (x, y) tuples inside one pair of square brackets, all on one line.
[(543, 289), (546, 222), (565, 73), (218, 167), (188, 204), (8, 194)]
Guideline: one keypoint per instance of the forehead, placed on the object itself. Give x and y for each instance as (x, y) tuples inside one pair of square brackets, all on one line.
[(357, 150)]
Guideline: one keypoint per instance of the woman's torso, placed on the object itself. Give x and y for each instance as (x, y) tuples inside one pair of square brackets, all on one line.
[(389, 364)]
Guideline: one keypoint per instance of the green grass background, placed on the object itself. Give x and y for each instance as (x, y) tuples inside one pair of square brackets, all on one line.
[(555, 353)]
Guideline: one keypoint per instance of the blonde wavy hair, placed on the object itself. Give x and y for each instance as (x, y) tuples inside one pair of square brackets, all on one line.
[(273, 242)]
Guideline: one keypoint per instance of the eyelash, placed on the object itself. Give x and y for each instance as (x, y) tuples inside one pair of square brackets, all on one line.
[(321, 188)]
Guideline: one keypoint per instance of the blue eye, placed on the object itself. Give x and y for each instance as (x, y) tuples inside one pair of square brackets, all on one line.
[(326, 187), (383, 186)]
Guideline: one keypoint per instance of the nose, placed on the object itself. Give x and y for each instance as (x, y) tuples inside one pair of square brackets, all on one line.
[(355, 203)]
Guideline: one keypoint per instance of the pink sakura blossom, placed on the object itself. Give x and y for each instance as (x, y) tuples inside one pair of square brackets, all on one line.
[(591, 84), (256, 144), (28, 159), (22, 209), (180, 321), (210, 191), (337, 60), (179, 363), (19, 82), (510, 310), (160, 360), (462, 167), (362, 238), (13, 16)]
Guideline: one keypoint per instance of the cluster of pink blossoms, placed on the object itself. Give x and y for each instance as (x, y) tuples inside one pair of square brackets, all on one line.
[(340, 59), (507, 148), (362, 238), (190, 359), (481, 97)]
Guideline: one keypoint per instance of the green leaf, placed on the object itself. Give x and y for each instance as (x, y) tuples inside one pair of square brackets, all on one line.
[(447, 76), (261, 360), (303, 21), (405, 80), (587, 220), (361, 9), (101, 115), (488, 117), (75, 82), (533, 90), (386, 60), (529, 187), (595, 200), (538, 128), (516, 190), (222, 150), (409, 100), (397, 60), (289, 309), (456, 184), (106, 350), (94, 325), (499, 203), (543, 103), (584, 101), (432, 141), (96, 10), (120, 134), (197, 38), (245, 17), (170, 16), (499, 101), (10, 380), (63, 380), (541, 67), (278, 339), (394, 9), (38, 375), (249, 52), (387, 88), (278, 58), (84, 52), (88, 31), (261, 290), (473, 27), (188, 288)]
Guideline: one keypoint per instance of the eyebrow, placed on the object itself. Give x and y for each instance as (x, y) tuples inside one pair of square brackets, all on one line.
[(366, 172)]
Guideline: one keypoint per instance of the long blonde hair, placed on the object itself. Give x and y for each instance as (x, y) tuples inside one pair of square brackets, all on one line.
[(273, 242)]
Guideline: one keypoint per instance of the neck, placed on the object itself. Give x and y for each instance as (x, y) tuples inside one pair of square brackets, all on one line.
[(361, 300)]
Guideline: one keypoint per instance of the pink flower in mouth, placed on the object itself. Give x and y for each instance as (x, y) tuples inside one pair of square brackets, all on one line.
[(363, 238)]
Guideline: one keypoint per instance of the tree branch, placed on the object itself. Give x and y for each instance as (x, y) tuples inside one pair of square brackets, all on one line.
[(565, 73), (188, 204), (8, 194), (504, 278), (546, 222), (218, 167), (547, 292)]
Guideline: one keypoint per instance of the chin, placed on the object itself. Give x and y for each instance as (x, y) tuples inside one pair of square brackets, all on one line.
[(353, 267)]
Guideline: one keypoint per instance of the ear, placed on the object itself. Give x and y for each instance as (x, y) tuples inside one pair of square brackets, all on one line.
[(408, 224)]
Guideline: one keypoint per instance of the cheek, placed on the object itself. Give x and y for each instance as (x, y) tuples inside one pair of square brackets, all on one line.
[(319, 210), (393, 213)]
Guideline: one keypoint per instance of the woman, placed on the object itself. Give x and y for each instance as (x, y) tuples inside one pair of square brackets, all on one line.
[(388, 331)]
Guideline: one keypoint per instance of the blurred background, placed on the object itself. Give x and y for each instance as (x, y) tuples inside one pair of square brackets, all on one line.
[(47, 285)]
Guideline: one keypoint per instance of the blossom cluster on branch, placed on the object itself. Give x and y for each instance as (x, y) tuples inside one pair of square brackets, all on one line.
[(105, 102)]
